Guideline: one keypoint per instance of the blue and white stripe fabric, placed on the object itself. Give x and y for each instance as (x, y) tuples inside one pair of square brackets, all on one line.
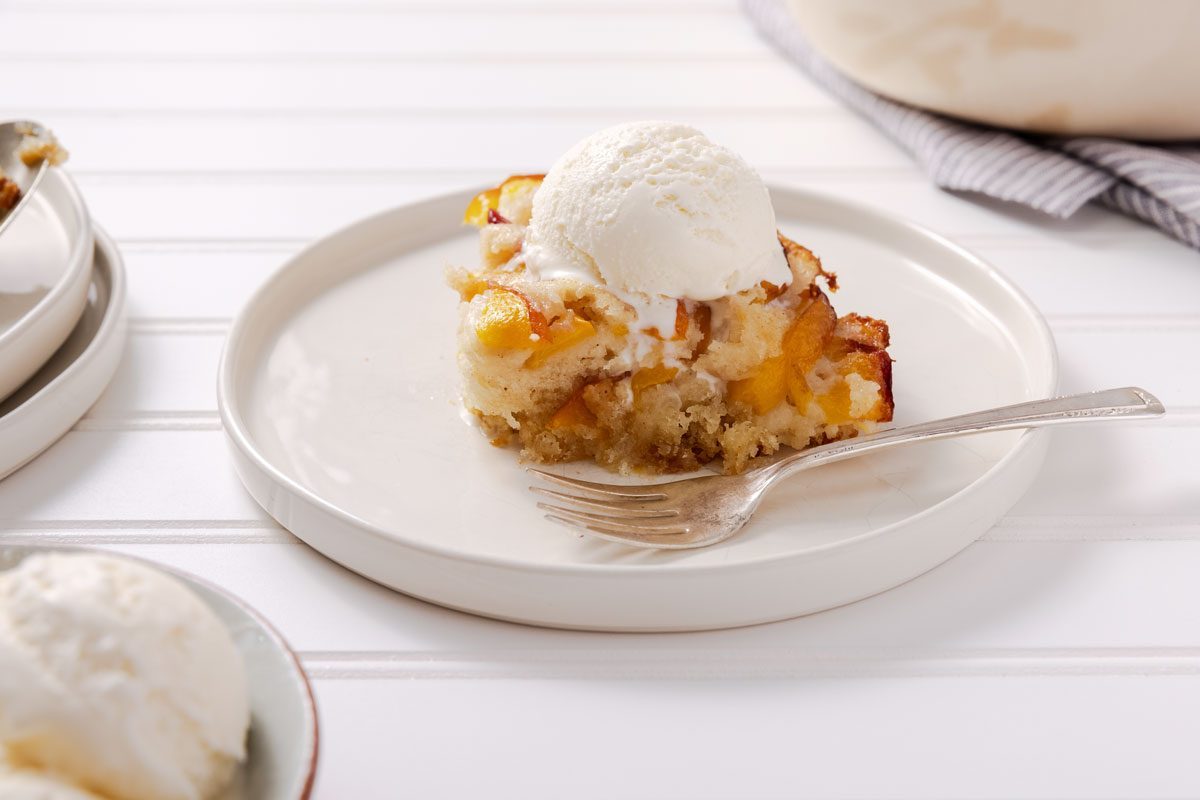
[(1156, 183)]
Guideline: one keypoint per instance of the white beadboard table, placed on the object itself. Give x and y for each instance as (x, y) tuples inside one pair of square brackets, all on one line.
[(1058, 657)]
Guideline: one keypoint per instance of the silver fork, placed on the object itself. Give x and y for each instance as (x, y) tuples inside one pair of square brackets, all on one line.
[(697, 512)]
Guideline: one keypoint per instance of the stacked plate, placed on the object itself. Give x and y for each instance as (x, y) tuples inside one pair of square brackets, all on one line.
[(62, 292)]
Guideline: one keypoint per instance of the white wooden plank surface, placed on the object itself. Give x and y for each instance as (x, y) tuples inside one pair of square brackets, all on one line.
[(265, 88), (948, 738), (304, 32), (1013, 602), (544, 6), (324, 141), (1058, 657), (211, 208)]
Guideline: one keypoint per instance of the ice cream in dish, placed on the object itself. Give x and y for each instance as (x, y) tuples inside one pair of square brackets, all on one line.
[(638, 307), (115, 681)]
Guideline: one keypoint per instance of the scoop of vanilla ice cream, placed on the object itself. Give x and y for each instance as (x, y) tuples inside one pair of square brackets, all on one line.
[(116, 677), (656, 208), (31, 784)]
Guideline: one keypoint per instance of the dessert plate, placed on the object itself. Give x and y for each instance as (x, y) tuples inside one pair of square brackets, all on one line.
[(45, 262), (281, 760), (46, 406), (338, 393)]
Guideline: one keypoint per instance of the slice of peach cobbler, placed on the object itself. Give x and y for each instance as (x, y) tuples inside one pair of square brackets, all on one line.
[(636, 306)]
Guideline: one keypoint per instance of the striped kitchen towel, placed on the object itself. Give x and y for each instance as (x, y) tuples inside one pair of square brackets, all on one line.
[(1156, 183)]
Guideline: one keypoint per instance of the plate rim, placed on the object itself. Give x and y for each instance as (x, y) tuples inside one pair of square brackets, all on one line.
[(238, 434), (78, 264)]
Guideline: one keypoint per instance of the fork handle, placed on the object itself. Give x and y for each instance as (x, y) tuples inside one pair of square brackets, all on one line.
[(1127, 403)]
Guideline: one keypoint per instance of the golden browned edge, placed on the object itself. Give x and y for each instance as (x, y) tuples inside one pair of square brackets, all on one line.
[(868, 334)]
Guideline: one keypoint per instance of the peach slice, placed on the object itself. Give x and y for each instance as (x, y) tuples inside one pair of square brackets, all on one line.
[(763, 390), (798, 393), (836, 404), (516, 197), (561, 338), (477, 210), (783, 376), (509, 319), (651, 376), (681, 320), (537, 320), (805, 340), (503, 195), (504, 323), (573, 413)]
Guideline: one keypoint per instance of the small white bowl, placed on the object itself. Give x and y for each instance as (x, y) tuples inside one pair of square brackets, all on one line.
[(45, 269), (283, 740)]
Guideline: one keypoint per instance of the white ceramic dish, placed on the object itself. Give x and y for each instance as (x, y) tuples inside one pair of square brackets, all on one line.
[(282, 747), (45, 266), (1040, 66), (337, 391), (46, 406)]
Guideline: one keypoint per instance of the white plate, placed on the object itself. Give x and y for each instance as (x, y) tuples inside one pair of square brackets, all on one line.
[(337, 391), (46, 406), (45, 262), (281, 760)]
